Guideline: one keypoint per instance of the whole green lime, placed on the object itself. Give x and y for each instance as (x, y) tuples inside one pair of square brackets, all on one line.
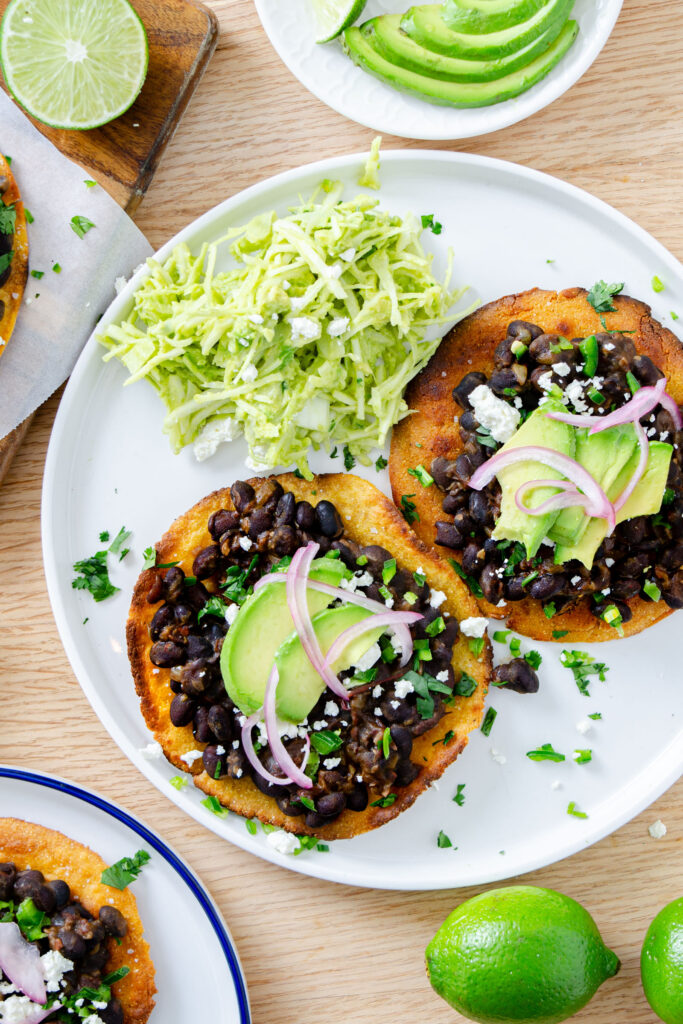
[(519, 954), (661, 963)]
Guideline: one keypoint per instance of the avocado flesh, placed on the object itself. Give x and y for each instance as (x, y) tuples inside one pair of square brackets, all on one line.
[(603, 455), (389, 40), (489, 16), (262, 624), (300, 685), (646, 500), (456, 94), (513, 524), (425, 25)]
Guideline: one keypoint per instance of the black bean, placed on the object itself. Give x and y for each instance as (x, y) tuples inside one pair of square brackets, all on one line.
[(220, 723), (634, 565), (376, 557), (547, 585), (206, 563), (260, 521), (523, 331), (173, 583), (113, 1014), (645, 370), (517, 675), (8, 873), (286, 510), (44, 899), (215, 764), (406, 772), (465, 465), (198, 647), (282, 541), (672, 560), (200, 725), (215, 691), (194, 678), (292, 808), (503, 379), (163, 617), (182, 614), (472, 559), (113, 920), (268, 493), (73, 946), (266, 787), (503, 354), (463, 390), (61, 892), (314, 820), (329, 520), (480, 508), (456, 499), (305, 516), (491, 584), (449, 536), (348, 551), (182, 710), (633, 531), (624, 589), (402, 740), (196, 595), (357, 799), (541, 350), (243, 496), (672, 591), (166, 653), (443, 470), (330, 804), (222, 522), (27, 882), (155, 592)]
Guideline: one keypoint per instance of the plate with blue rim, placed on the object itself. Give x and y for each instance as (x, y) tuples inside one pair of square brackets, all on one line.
[(182, 923), (109, 465)]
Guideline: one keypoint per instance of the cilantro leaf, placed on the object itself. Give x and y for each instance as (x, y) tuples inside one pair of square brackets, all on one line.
[(421, 474), (600, 296), (81, 225), (94, 576), (235, 579), (8, 219), (125, 871), (5, 261), (409, 509), (116, 546), (214, 606), (150, 556), (380, 463), (465, 686), (471, 582), (490, 718), (384, 801), (428, 221), (459, 797), (442, 841), (582, 666), (349, 459)]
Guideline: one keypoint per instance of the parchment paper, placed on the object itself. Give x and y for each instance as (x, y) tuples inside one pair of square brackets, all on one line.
[(59, 310)]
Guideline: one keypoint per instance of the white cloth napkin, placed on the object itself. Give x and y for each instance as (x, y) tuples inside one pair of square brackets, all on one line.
[(59, 310)]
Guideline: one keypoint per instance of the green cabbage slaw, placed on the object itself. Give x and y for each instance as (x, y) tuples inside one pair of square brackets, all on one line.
[(307, 342)]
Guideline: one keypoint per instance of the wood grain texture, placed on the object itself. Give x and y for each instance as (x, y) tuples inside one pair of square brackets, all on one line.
[(617, 133)]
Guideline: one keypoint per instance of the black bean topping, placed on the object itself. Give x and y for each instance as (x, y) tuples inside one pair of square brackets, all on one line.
[(113, 920), (517, 675), (182, 710), (329, 520)]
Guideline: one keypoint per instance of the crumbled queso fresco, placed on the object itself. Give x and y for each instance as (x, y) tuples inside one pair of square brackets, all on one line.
[(475, 626), (495, 415)]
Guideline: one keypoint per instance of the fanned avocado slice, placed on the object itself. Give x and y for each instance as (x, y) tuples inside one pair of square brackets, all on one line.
[(426, 26), (392, 43), (489, 16), (359, 46)]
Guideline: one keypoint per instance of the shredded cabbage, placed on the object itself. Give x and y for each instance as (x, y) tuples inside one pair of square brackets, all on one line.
[(369, 177), (309, 341)]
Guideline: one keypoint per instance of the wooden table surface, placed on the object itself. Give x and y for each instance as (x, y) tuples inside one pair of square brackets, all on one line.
[(309, 947)]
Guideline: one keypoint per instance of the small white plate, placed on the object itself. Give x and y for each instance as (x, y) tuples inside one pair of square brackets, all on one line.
[(109, 465), (182, 923), (330, 75)]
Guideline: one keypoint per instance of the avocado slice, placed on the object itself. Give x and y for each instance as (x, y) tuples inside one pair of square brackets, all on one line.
[(359, 46), (477, 17), (646, 500), (604, 455), (300, 685), (426, 26), (262, 623), (391, 42), (513, 524)]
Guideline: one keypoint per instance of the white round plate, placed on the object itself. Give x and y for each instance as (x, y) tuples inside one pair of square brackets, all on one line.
[(109, 465), (330, 75), (182, 923)]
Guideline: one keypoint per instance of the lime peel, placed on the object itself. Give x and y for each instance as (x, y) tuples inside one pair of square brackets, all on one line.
[(333, 16)]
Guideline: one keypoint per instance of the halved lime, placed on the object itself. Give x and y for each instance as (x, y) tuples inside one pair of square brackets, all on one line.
[(73, 63), (333, 16)]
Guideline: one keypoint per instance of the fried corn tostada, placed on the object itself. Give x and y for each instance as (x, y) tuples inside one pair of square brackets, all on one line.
[(600, 382), (13, 252), (260, 574), (62, 932)]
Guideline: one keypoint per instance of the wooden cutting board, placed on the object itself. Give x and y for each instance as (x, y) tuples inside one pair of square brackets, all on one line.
[(123, 156)]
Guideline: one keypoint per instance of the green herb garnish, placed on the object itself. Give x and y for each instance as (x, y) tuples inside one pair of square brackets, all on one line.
[(600, 296), (429, 222), (657, 284), (116, 547), (384, 801), (476, 645), (459, 797), (471, 582), (409, 509), (572, 809), (349, 459), (8, 219), (389, 570), (435, 627), (652, 590), (178, 782), (545, 752), (442, 841), (94, 576), (125, 871), (212, 804), (465, 686), (214, 606), (632, 383), (81, 225), (582, 665), (235, 579), (583, 756), (421, 474), (490, 718), (325, 741), (380, 463), (559, 633)]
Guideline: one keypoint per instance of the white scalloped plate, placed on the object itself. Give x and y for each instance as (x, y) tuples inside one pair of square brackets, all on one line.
[(109, 464), (331, 76)]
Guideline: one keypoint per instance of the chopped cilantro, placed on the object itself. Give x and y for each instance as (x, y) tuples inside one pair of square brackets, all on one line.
[(104, 536), (420, 578), (490, 718), (447, 738), (380, 463), (326, 741), (632, 383), (596, 716), (429, 222), (600, 296), (349, 459), (81, 225), (298, 474), (549, 609), (94, 576), (409, 509), (421, 474), (38, 274), (125, 871), (214, 606), (485, 438), (471, 582), (559, 633), (384, 801), (367, 675), (212, 804), (424, 686), (442, 841), (116, 547), (530, 578), (583, 665), (459, 797), (583, 756), (476, 645), (5, 261), (534, 659), (657, 284), (669, 495), (310, 843), (235, 578), (334, 453), (389, 570), (8, 219), (652, 590), (8, 159), (545, 752), (465, 686), (362, 560), (572, 809), (178, 782), (57, 268), (550, 261)]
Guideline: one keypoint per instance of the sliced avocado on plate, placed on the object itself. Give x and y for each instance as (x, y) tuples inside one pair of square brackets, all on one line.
[(262, 624), (646, 500), (456, 94), (603, 455), (513, 524), (392, 43), (426, 26), (300, 686), (477, 17)]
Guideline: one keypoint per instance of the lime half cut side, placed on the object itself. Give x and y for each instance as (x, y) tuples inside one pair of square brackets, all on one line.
[(73, 63), (333, 16)]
